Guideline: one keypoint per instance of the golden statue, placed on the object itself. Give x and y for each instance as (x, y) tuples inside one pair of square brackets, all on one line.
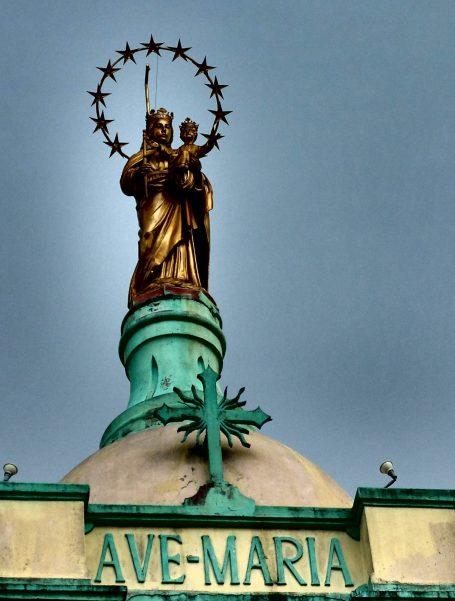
[(173, 198)]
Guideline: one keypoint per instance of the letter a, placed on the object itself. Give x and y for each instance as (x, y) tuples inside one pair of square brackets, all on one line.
[(256, 549), (109, 545), (335, 549)]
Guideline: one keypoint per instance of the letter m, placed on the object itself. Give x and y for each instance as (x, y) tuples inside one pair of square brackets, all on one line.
[(229, 561)]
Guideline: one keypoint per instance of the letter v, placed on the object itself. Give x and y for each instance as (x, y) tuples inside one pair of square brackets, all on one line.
[(141, 570)]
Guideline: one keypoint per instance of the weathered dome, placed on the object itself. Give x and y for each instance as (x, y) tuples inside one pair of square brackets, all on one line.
[(153, 468)]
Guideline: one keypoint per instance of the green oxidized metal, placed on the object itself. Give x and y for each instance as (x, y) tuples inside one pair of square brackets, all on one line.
[(212, 415), (165, 344)]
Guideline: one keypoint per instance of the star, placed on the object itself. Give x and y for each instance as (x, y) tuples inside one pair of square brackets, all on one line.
[(216, 88), (178, 51), (203, 67), (116, 146), (152, 46), (220, 115), (109, 70), (98, 96), (213, 137), (127, 54), (101, 123)]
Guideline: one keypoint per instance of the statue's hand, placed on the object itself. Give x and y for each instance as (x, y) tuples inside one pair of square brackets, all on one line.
[(145, 168), (155, 150), (184, 179)]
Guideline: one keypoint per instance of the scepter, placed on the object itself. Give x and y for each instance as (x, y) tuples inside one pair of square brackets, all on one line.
[(147, 113), (147, 99)]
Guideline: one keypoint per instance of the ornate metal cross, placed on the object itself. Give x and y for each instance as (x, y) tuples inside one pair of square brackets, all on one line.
[(212, 415)]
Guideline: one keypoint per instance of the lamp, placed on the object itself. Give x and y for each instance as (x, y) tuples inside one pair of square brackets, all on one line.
[(387, 468), (9, 469)]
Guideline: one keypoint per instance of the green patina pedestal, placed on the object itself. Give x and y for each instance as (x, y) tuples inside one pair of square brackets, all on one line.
[(165, 343)]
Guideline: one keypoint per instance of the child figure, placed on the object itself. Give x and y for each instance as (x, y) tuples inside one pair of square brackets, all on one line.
[(190, 153)]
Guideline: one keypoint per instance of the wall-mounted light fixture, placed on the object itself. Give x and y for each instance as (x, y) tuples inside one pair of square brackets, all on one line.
[(387, 468), (9, 470)]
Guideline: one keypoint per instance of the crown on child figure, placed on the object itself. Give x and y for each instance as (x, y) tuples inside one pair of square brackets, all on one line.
[(188, 123)]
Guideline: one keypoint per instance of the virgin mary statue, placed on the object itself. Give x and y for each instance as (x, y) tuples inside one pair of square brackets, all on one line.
[(172, 203)]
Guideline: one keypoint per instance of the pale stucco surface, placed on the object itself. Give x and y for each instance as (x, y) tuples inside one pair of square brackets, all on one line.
[(42, 539), (412, 545), (153, 467)]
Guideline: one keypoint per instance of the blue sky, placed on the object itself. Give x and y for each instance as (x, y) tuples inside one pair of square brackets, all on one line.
[(332, 232)]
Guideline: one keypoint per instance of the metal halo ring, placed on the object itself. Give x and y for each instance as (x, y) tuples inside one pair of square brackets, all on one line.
[(154, 47)]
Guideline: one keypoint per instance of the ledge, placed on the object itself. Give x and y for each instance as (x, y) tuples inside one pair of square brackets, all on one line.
[(404, 591), (61, 589), (191, 516), (195, 596), (402, 497), (311, 518), (37, 491)]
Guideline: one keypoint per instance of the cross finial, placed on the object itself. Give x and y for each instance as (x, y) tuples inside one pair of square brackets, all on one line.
[(212, 415)]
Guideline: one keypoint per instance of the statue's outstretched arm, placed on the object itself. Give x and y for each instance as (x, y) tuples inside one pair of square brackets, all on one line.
[(204, 149)]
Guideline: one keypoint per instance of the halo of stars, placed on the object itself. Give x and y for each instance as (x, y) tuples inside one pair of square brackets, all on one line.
[(102, 123)]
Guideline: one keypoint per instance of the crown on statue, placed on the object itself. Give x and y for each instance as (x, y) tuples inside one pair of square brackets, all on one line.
[(188, 124), (161, 113)]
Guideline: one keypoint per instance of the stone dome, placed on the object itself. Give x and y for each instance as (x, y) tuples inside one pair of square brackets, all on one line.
[(152, 467)]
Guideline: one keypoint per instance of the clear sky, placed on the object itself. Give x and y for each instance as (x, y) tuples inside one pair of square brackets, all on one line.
[(332, 233)]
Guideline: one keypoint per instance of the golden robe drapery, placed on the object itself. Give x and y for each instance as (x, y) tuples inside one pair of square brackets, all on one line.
[(174, 233)]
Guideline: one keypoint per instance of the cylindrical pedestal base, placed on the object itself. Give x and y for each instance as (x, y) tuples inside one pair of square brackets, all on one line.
[(165, 344)]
